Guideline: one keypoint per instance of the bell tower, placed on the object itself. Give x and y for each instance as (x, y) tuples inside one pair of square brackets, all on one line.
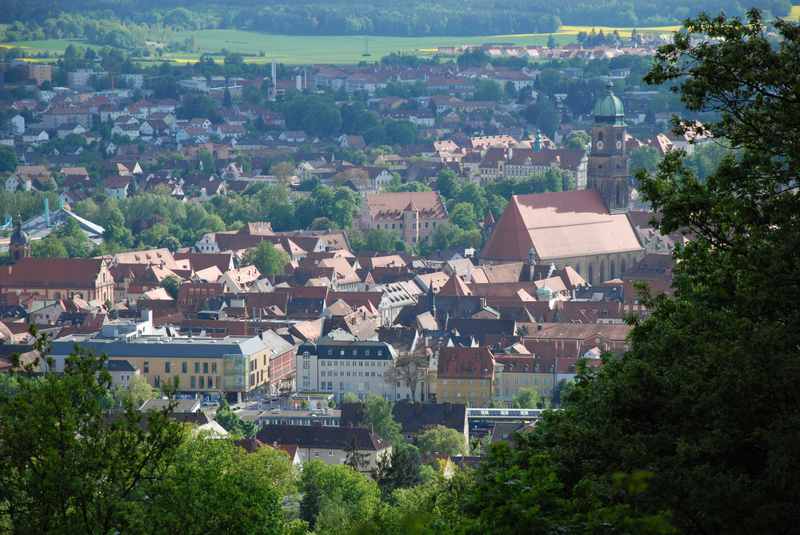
[(608, 159)]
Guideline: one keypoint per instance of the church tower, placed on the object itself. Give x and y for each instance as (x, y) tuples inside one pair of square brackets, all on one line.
[(608, 159), (19, 246)]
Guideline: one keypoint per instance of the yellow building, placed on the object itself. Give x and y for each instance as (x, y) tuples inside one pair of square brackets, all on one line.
[(200, 365), (515, 373), (465, 375)]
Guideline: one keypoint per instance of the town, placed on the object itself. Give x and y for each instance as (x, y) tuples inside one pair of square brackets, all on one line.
[(340, 262)]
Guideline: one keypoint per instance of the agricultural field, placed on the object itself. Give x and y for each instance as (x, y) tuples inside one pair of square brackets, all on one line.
[(794, 14), (338, 49)]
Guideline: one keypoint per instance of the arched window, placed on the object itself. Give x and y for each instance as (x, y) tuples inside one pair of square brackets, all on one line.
[(600, 135)]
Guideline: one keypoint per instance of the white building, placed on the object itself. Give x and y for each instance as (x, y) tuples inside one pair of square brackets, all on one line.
[(339, 367)]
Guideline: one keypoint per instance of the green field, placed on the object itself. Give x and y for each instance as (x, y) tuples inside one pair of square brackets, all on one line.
[(298, 49), (338, 49)]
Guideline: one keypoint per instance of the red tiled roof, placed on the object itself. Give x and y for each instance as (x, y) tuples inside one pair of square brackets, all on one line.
[(559, 225), (466, 363), (392, 205), (74, 273)]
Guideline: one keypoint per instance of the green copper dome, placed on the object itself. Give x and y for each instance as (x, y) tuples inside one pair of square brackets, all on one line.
[(609, 109)]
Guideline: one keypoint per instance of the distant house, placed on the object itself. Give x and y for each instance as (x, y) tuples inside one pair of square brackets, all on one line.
[(122, 372), (330, 445), (293, 136), (412, 215), (117, 187), (465, 375), (351, 142)]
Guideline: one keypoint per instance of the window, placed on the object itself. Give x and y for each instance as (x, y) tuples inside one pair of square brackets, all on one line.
[(157, 381), (184, 367), (196, 367), (213, 367), (205, 367), (167, 366), (146, 367), (210, 382), (202, 382), (193, 381)]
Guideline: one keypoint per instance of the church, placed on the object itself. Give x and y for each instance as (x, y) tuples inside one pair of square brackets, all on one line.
[(587, 229)]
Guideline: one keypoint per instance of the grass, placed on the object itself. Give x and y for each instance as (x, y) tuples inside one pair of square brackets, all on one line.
[(299, 49), (302, 49)]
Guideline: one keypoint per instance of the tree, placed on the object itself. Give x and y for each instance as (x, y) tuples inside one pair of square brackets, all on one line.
[(269, 260), (463, 216), (283, 171), (715, 363), (544, 114), (67, 241), (228, 490), (8, 159), (400, 470), (171, 284), (380, 240), (487, 90), (578, 139), (335, 497), (441, 440), (233, 423), (645, 159), (354, 458), (408, 369), (66, 466), (401, 132), (379, 418), (447, 183), (527, 398), (137, 392)]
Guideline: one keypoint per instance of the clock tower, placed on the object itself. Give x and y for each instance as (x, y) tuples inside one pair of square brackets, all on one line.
[(608, 159)]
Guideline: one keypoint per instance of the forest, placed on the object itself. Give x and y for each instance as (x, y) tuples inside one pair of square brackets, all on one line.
[(381, 17)]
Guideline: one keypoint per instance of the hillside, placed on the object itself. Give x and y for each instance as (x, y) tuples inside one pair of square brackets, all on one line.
[(384, 17)]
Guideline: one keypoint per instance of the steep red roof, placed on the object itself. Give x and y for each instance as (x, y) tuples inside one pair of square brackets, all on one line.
[(392, 205), (466, 363), (52, 273), (455, 287), (559, 225)]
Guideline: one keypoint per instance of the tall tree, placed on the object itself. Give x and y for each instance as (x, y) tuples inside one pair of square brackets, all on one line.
[(65, 466), (706, 400), (269, 260)]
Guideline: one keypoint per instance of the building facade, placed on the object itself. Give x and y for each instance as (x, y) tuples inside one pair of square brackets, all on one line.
[(59, 278), (200, 365), (339, 367), (414, 216)]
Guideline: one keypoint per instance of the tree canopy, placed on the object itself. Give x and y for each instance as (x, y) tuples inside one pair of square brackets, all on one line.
[(694, 427)]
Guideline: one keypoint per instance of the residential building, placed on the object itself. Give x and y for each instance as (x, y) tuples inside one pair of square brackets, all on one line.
[(231, 365), (412, 215), (330, 445), (465, 375), (340, 367)]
